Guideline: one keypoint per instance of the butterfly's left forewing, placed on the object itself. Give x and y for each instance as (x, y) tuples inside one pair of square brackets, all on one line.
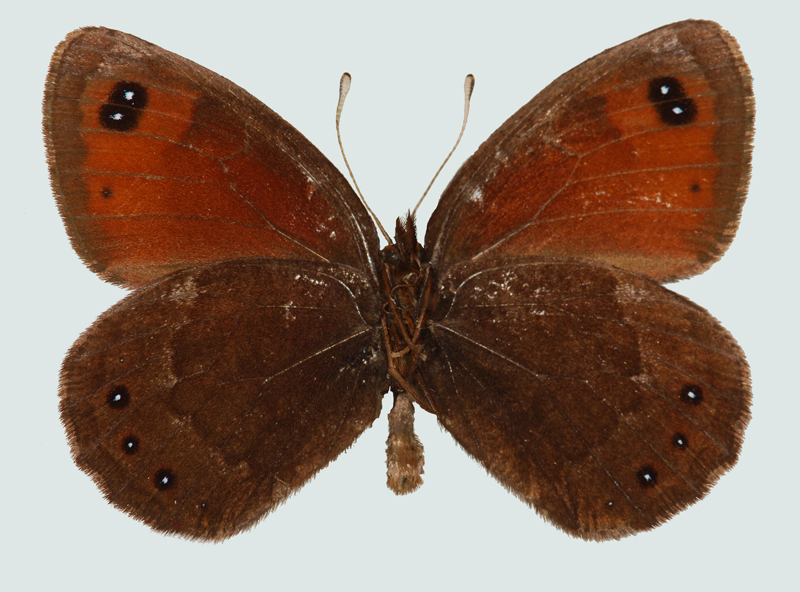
[(159, 164)]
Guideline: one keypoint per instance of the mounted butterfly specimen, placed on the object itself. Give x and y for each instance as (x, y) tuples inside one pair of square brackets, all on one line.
[(266, 323)]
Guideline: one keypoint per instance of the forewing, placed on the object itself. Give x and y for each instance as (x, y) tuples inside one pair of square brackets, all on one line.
[(639, 157), (605, 401), (203, 401), (159, 164)]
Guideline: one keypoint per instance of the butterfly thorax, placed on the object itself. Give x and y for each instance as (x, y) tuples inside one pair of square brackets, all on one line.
[(407, 281)]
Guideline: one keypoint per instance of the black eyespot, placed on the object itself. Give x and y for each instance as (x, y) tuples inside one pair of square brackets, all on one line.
[(106, 192), (130, 444), (680, 441), (118, 397), (691, 394), (694, 188), (164, 479), (124, 107), (648, 476), (670, 101)]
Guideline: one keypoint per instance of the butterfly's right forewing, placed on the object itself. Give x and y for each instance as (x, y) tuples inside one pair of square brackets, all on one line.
[(638, 157)]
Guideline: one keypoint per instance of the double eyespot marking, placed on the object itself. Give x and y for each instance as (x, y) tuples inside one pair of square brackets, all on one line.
[(670, 101), (124, 107), (119, 397)]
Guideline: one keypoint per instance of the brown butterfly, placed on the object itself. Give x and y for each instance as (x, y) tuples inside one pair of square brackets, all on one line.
[(266, 323)]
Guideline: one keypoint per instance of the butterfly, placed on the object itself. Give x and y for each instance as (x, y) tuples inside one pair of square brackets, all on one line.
[(266, 323)]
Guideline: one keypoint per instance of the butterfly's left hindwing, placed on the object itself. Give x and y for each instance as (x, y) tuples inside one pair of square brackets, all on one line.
[(202, 402)]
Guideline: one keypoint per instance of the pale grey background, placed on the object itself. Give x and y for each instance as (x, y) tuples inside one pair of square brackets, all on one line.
[(345, 530)]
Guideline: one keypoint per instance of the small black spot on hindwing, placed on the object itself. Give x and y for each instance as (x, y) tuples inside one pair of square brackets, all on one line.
[(118, 397), (648, 476), (106, 192), (164, 479), (692, 394), (130, 444), (124, 107), (680, 441), (670, 101)]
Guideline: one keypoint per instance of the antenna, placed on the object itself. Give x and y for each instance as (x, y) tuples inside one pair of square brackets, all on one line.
[(344, 88), (469, 85)]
